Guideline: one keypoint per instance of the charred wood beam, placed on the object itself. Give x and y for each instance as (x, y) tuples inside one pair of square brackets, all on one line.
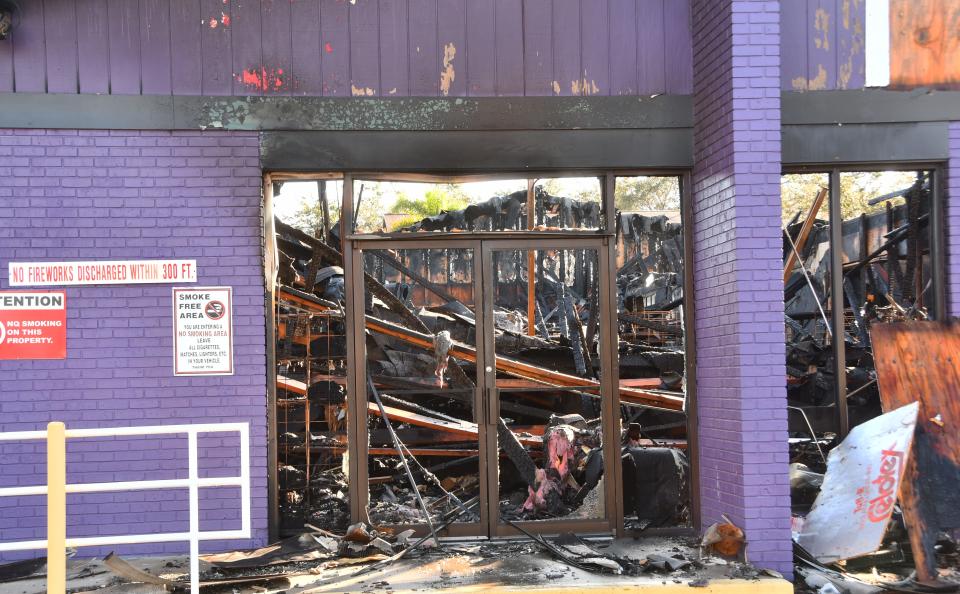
[(804, 234), (418, 408), (460, 428), (399, 447), (457, 376), (581, 339), (511, 445), (593, 322), (541, 323), (424, 452), (636, 261), (526, 370), (572, 335), (324, 207), (911, 286), (425, 283), (638, 321), (511, 407), (896, 236)]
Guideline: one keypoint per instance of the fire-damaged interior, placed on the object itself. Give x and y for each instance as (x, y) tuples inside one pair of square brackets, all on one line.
[(841, 280), (461, 364)]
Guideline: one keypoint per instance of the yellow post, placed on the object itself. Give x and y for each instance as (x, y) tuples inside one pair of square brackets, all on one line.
[(56, 508)]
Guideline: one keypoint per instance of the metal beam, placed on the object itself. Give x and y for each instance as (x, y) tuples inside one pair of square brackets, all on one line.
[(870, 106), (864, 143), (475, 151), (165, 112), (837, 303)]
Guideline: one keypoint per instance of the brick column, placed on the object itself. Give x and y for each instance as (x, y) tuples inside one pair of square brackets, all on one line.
[(738, 274), (952, 223)]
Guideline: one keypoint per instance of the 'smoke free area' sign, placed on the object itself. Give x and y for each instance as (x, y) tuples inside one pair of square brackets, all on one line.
[(203, 331), (33, 325)]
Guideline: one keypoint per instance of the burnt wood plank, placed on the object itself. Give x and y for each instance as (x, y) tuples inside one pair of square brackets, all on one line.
[(918, 361)]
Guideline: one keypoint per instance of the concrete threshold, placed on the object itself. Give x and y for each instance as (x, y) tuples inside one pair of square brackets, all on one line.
[(466, 570), (475, 567)]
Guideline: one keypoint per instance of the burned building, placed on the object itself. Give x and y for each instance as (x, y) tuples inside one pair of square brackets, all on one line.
[(426, 437), (544, 282)]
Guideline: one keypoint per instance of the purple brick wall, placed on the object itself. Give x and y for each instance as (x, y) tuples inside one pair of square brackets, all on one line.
[(91, 195), (952, 225), (738, 274)]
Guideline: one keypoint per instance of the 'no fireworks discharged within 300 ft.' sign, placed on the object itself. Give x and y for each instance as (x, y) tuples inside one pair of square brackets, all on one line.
[(203, 331)]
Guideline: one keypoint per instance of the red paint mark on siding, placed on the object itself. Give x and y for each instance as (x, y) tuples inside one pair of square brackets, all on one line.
[(328, 48), (262, 79)]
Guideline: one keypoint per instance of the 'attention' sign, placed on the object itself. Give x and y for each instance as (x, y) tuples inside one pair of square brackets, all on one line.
[(203, 331), (33, 325)]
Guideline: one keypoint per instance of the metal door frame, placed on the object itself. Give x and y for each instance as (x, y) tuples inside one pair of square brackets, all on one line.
[(607, 236), (489, 525), (613, 505), (357, 369)]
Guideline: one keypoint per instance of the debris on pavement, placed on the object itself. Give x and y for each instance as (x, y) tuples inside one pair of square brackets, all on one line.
[(724, 538)]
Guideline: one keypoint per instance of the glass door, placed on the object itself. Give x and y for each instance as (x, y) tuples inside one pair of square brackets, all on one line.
[(424, 437), (486, 392), (545, 363)]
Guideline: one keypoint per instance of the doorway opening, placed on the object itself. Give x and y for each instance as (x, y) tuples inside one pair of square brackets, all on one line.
[(861, 247), (451, 360)]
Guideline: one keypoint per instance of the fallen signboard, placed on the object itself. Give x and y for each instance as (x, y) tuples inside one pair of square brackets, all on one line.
[(33, 325), (860, 488)]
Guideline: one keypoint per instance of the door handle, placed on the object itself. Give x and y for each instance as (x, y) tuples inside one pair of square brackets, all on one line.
[(493, 405)]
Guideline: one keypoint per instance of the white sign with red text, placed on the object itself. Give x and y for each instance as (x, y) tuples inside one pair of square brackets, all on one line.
[(113, 272), (860, 489), (203, 331)]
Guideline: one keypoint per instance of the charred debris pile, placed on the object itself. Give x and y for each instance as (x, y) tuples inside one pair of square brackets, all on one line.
[(421, 363), (886, 278), (876, 512)]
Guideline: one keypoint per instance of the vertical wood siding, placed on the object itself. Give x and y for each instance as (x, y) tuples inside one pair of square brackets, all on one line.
[(398, 47), (822, 44), (350, 48)]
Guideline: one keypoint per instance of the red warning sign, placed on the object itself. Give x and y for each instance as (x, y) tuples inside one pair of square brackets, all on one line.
[(33, 325)]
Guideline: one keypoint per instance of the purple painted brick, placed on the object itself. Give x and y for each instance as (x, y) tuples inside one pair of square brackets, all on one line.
[(736, 212), (118, 370)]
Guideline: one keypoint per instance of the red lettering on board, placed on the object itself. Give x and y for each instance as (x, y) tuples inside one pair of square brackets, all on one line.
[(891, 470)]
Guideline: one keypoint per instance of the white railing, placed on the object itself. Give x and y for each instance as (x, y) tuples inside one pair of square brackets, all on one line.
[(56, 490)]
